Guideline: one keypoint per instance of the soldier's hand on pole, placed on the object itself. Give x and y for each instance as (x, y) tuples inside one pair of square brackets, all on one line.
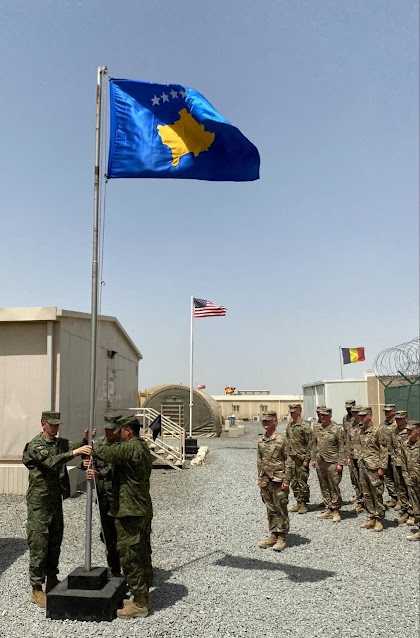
[(87, 434), (92, 474), (85, 449)]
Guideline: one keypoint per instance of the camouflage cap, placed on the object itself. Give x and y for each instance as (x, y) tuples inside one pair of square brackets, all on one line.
[(53, 418), (268, 416), (388, 407), (356, 408), (413, 425), (365, 410), (326, 411), (111, 419), (125, 420), (295, 406), (401, 414), (350, 403), (321, 407)]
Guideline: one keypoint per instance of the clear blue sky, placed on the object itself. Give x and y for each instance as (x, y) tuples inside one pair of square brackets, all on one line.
[(322, 251)]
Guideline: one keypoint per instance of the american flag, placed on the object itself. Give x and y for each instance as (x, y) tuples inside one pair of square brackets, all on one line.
[(203, 308)]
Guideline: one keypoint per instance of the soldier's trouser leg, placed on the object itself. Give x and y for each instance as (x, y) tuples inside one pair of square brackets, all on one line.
[(334, 480), (373, 489), (401, 490), (299, 482), (275, 500), (321, 470), (414, 495), (133, 533), (390, 481), (45, 533), (110, 538), (355, 479)]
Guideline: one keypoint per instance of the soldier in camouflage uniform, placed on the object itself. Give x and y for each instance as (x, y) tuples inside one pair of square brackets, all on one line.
[(273, 481), (328, 457), (348, 417), (46, 457), (353, 453), (299, 441), (410, 456), (132, 510), (388, 424), (102, 474), (315, 425), (399, 437), (373, 458)]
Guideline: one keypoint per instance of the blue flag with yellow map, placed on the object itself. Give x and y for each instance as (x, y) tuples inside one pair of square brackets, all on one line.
[(168, 130)]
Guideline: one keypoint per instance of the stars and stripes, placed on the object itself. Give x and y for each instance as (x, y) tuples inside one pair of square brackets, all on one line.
[(204, 308)]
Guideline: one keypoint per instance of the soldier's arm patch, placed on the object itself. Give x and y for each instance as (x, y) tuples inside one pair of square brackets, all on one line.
[(42, 451)]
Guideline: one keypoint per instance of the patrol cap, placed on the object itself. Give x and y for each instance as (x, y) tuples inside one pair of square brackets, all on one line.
[(268, 416), (326, 411), (53, 418), (356, 408), (295, 406), (111, 419), (413, 425), (388, 407), (350, 402), (320, 407), (401, 414), (126, 420), (365, 410)]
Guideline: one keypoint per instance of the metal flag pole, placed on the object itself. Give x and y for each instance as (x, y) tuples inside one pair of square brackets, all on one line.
[(191, 364), (102, 70), (340, 354)]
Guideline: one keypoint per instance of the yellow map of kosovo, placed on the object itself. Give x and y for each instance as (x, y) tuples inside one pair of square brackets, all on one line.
[(185, 136)]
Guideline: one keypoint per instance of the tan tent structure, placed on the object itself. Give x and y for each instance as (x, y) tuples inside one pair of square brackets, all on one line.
[(173, 401)]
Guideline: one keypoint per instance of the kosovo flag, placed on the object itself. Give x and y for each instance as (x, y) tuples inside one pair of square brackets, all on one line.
[(156, 426), (167, 130)]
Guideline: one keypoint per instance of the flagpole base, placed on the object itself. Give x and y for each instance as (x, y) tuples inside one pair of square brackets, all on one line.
[(191, 446), (86, 596)]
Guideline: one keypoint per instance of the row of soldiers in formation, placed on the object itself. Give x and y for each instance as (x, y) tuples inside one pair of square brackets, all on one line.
[(120, 464), (377, 455)]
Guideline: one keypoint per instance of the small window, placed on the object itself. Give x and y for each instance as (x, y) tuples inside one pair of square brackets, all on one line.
[(235, 408), (264, 408)]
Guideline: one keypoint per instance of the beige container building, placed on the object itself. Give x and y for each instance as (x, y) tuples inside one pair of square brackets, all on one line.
[(250, 406), (45, 365)]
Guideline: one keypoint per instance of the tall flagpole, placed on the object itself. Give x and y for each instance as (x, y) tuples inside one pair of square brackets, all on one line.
[(191, 364), (94, 308), (340, 354)]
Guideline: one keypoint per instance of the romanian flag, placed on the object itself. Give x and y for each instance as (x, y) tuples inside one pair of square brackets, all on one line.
[(353, 355)]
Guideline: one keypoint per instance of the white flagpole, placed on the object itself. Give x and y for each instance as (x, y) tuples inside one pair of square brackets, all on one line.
[(191, 364)]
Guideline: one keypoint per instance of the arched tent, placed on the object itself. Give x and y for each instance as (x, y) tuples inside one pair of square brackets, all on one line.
[(174, 400)]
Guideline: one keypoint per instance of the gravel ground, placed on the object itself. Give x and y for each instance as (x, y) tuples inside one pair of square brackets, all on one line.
[(211, 579)]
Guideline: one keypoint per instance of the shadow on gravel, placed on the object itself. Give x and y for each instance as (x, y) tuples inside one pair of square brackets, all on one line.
[(166, 594), (293, 573), (293, 540), (391, 523), (346, 514), (10, 550)]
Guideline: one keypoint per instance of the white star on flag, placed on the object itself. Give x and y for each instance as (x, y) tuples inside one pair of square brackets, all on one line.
[(182, 93), (155, 101), (174, 94), (165, 98)]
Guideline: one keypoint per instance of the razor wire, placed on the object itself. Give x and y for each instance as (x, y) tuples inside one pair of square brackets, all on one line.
[(402, 361)]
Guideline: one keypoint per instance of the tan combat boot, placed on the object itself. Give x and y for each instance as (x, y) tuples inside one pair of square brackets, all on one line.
[(378, 525), (268, 542), (281, 543), (370, 524), (397, 506), (414, 537), (37, 596), (326, 514), (302, 508), (136, 608), (336, 516), (410, 520), (52, 581), (402, 519), (130, 600), (295, 508), (359, 508)]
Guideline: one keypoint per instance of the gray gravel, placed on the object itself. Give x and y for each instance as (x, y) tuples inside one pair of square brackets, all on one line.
[(211, 579)]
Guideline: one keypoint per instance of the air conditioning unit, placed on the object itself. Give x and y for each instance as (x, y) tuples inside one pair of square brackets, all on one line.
[(255, 418)]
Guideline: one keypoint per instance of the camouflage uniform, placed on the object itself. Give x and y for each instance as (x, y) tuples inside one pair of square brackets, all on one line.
[(299, 440), (48, 485), (328, 451), (353, 453), (131, 508), (389, 474), (398, 440), (373, 456), (348, 418), (273, 469), (410, 458)]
